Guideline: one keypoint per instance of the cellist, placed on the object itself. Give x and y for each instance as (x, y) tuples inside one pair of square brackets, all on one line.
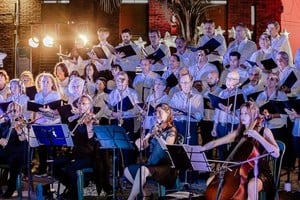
[(259, 140)]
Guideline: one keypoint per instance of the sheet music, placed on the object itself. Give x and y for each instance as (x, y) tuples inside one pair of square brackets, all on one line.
[(198, 159), (57, 135)]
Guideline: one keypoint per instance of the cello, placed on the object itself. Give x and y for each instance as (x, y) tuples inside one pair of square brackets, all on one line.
[(231, 183)]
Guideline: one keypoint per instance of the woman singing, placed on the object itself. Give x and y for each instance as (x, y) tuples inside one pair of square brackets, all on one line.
[(259, 140), (158, 165)]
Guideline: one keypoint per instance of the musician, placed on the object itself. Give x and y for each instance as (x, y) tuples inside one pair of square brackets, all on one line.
[(90, 75), (206, 124), (129, 64), (100, 98), (158, 165), (242, 44), (275, 121), (48, 93), (143, 83), (216, 57), (295, 118), (4, 85), (202, 67), (158, 96), (103, 64), (77, 58), (189, 105), (18, 95), (62, 77), (123, 112), (265, 52), (27, 78), (75, 90), (154, 38), (282, 60), (84, 153), (226, 120), (260, 140), (187, 57), (255, 82), (13, 145)]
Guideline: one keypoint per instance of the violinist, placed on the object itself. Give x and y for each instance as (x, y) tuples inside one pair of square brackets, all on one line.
[(158, 165), (158, 96), (84, 153), (13, 145), (259, 140)]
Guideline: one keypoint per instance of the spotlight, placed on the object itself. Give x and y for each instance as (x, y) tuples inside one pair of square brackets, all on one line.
[(83, 38), (48, 41), (33, 42)]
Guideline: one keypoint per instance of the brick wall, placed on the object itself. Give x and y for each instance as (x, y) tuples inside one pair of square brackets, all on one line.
[(30, 12), (158, 17), (267, 10)]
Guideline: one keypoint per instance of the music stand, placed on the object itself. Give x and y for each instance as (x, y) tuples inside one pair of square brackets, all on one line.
[(50, 135), (186, 157), (112, 137), (189, 157)]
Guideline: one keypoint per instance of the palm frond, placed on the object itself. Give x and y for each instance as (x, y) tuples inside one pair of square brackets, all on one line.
[(109, 6)]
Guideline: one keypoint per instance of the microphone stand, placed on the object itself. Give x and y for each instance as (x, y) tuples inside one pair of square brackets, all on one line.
[(234, 106), (188, 135)]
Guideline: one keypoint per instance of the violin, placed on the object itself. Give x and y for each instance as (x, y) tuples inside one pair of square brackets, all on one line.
[(231, 183), (142, 142)]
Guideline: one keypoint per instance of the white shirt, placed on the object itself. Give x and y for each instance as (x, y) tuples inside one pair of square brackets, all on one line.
[(221, 49), (132, 62), (108, 49), (281, 43), (189, 104), (165, 60)]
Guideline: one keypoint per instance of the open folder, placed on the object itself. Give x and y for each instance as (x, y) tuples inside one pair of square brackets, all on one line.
[(290, 80), (273, 106), (156, 56), (35, 107), (127, 50), (99, 53), (208, 47), (215, 100), (125, 103), (269, 64)]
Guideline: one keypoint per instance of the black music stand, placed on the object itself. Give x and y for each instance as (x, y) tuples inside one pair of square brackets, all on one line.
[(50, 135), (113, 137), (187, 157)]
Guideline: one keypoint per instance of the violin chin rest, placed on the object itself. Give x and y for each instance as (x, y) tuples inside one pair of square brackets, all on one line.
[(210, 179)]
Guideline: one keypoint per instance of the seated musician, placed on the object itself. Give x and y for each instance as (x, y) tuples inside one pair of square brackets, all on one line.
[(158, 165), (259, 140), (14, 145), (84, 154)]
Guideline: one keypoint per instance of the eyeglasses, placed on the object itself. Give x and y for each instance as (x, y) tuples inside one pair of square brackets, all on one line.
[(232, 79), (185, 83)]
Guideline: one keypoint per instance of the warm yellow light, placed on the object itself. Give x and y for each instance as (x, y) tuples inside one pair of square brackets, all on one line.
[(33, 42), (48, 41), (83, 38)]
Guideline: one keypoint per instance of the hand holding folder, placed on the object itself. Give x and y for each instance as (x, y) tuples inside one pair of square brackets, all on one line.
[(209, 47), (127, 51), (156, 56), (99, 52), (226, 103), (289, 81)]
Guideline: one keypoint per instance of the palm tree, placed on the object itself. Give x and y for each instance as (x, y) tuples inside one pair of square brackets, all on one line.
[(188, 14), (109, 6)]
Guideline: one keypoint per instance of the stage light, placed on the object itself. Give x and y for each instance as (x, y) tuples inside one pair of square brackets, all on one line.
[(33, 42), (48, 41), (83, 38)]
